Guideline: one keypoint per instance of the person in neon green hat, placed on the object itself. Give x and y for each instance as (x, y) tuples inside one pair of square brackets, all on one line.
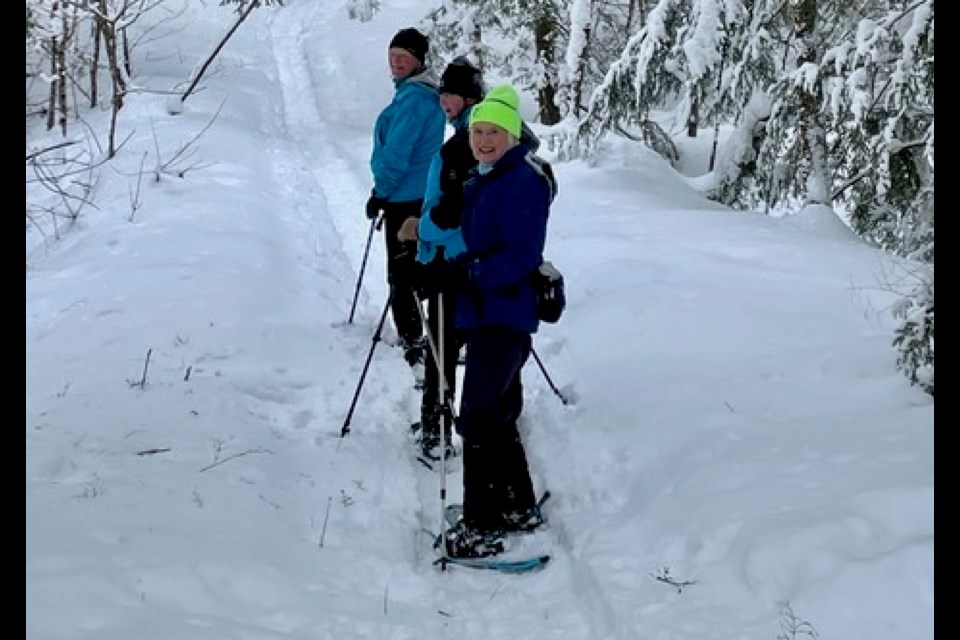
[(440, 242), (501, 106), (504, 227)]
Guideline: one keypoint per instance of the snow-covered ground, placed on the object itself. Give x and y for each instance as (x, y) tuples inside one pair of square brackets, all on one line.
[(736, 421)]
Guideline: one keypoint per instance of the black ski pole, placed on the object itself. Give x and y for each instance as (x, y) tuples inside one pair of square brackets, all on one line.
[(345, 429), (547, 376), (363, 266), (446, 418)]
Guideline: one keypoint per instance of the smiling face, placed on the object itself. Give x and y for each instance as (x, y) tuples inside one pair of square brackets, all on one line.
[(488, 141), (402, 62)]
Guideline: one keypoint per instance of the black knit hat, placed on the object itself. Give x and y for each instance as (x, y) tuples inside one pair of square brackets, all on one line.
[(462, 79), (413, 41)]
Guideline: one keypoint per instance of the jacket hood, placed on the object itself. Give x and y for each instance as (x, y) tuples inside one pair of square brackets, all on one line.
[(426, 77)]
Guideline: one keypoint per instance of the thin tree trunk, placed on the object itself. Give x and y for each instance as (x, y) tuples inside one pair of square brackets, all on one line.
[(636, 14), (127, 58), (118, 84), (109, 29), (713, 147), (95, 61), (812, 133), (62, 75), (693, 117), (52, 99), (476, 42), (544, 30), (581, 72), (716, 126)]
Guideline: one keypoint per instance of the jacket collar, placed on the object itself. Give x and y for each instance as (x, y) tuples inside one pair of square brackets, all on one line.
[(512, 156), (424, 76), (463, 118)]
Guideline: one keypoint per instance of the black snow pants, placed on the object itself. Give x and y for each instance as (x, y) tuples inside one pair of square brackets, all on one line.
[(402, 271), (496, 477)]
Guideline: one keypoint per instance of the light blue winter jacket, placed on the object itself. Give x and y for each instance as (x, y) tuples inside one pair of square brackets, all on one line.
[(430, 236), (406, 136)]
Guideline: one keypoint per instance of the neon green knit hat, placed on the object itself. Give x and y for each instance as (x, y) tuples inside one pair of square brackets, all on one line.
[(499, 107)]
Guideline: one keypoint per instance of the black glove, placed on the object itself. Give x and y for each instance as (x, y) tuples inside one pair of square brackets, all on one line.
[(436, 276), (426, 279), (375, 205), (423, 282), (444, 217)]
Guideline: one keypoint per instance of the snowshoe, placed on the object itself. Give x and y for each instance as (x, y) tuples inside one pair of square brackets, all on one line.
[(414, 352), (464, 541), (430, 447), (524, 521)]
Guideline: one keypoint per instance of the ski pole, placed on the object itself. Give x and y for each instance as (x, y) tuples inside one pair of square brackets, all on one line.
[(363, 266), (445, 416), (441, 374), (547, 376), (440, 363), (345, 429)]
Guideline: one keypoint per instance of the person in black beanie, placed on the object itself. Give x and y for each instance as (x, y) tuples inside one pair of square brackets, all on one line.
[(406, 136), (411, 41), (440, 240)]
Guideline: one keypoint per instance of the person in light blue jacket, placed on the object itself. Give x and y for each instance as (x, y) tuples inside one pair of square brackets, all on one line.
[(438, 233), (406, 136)]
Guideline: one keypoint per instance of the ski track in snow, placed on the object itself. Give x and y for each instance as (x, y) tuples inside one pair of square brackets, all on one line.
[(339, 170), (309, 153), (331, 175)]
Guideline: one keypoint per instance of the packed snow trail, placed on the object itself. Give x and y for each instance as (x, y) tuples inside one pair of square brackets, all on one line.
[(322, 148)]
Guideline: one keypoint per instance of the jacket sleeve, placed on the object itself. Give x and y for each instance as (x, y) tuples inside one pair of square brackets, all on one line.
[(413, 115), (432, 194), (430, 235)]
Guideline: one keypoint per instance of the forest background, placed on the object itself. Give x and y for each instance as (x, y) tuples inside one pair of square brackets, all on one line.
[(806, 102)]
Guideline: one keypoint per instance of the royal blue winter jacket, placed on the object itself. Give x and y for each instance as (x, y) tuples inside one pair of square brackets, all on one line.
[(449, 168), (407, 134), (504, 226)]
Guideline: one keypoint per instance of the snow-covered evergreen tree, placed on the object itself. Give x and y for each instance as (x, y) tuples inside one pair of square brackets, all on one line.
[(881, 104), (882, 107), (833, 104), (677, 60), (572, 74), (874, 102), (913, 337), (520, 41)]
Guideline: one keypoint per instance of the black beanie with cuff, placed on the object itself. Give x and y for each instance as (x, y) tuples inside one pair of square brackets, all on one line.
[(413, 41), (462, 79)]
